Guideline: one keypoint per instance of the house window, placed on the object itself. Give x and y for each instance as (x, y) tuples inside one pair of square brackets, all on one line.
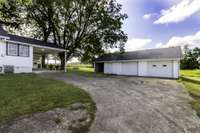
[(164, 65), (154, 65), (23, 50), (14, 49)]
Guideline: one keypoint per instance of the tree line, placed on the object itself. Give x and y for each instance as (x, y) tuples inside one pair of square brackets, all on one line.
[(191, 58)]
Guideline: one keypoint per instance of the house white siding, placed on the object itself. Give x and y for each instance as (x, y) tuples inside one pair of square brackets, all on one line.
[(21, 64), (149, 68)]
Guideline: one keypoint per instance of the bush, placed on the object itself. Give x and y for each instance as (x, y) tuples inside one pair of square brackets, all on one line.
[(51, 67)]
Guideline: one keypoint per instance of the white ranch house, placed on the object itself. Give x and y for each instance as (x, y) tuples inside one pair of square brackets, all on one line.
[(23, 55), (164, 62)]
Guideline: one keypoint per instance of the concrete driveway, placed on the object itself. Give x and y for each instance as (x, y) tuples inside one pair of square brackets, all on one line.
[(136, 105)]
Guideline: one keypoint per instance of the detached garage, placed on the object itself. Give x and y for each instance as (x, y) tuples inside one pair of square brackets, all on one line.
[(150, 63)]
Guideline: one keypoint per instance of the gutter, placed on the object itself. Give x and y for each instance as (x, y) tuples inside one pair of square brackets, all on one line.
[(165, 59)]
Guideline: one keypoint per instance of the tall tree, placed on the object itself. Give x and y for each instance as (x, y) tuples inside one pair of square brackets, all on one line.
[(86, 28)]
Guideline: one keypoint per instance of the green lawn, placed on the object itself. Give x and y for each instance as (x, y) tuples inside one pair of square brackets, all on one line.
[(81, 69), (88, 70), (24, 94), (191, 80), (193, 74)]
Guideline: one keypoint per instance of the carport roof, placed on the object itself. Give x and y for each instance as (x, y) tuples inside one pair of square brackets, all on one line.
[(162, 53)]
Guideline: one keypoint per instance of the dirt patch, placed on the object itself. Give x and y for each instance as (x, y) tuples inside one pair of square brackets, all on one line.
[(59, 120)]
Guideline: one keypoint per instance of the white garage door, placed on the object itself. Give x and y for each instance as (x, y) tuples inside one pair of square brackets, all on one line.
[(160, 69), (108, 68), (112, 68), (129, 68), (116, 68)]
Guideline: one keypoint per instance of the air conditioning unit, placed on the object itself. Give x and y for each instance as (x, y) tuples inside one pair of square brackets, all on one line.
[(8, 69), (1, 69)]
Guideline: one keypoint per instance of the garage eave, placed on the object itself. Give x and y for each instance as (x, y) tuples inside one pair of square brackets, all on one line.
[(163, 59)]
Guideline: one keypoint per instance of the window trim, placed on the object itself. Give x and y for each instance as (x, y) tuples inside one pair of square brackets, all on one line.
[(18, 54)]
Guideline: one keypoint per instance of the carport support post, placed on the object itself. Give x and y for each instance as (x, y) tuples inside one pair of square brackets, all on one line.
[(65, 68)]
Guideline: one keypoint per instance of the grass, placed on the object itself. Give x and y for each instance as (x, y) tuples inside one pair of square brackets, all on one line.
[(79, 65), (81, 69), (191, 81), (25, 94), (193, 74)]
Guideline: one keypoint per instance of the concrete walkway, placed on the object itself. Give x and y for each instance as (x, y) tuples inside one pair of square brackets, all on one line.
[(136, 105)]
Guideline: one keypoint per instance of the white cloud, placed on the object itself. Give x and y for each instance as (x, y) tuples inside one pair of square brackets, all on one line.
[(158, 45), (137, 43), (147, 16), (192, 40), (179, 12)]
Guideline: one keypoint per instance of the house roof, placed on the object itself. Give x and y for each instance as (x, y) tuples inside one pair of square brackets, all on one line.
[(3, 32), (27, 40), (32, 41), (162, 53)]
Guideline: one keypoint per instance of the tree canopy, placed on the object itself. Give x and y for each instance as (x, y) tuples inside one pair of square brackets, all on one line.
[(191, 59), (86, 28)]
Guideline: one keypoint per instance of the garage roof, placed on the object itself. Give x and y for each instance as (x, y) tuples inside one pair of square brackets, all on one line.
[(162, 53)]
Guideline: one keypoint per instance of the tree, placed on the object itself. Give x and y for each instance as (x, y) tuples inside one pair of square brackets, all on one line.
[(86, 28), (191, 58), (12, 12)]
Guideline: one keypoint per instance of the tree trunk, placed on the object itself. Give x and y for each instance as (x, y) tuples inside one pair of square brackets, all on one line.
[(62, 58), (43, 61)]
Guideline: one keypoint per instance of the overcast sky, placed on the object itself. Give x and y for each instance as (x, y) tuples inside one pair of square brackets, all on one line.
[(161, 23)]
